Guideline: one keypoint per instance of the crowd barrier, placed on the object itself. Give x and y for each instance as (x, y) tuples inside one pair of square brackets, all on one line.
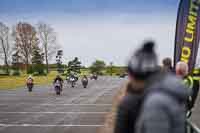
[(192, 128)]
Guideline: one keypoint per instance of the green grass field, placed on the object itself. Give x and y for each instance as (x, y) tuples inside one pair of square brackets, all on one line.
[(13, 82)]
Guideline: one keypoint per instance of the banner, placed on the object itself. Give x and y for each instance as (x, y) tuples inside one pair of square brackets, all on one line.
[(187, 32)]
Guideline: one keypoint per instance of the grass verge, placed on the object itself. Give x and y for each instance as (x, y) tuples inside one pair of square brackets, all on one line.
[(14, 82)]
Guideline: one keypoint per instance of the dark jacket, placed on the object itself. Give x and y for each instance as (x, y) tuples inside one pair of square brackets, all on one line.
[(59, 79), (127, 112), (164, 106), (195, 92), (193, 84), (84, 80)]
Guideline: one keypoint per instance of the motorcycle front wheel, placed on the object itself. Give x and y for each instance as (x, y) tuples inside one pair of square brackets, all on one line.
[(58, 93), (30, 88)]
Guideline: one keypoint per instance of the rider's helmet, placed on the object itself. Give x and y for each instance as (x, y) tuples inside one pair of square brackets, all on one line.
[(30, 77), (58, 76)]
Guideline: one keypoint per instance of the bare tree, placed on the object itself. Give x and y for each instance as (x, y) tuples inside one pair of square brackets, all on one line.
[(25, 39), (4, 44), (48, 40)]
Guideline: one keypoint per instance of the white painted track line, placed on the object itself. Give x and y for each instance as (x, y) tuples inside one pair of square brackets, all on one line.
[(46, 104), (75, 104), (39, 125), (53, 112)]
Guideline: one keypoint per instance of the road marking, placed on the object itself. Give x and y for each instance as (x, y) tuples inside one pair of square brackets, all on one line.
[(47, 104), (53, 112), (39, 125), (75, 104)]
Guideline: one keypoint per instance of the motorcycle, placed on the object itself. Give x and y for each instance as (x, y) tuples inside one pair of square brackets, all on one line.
[(57, 87), (30, 85), (94, 76), (84, 82), (72, 80)]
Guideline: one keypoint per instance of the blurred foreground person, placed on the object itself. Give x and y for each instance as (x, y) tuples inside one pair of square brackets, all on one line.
[(84, 81), (142, 65), (30, 83), (191, 81), (164, 105), (167, 65)]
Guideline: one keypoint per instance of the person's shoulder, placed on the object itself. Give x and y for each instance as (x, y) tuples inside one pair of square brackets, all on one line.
[(158, 100), (172, 81)]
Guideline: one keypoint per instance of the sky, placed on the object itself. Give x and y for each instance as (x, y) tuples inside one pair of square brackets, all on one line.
[(109, 30)]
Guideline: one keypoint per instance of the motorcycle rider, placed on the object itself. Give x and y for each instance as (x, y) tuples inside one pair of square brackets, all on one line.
[(94, 76), (30, 82), (59, 79), (84, 81)]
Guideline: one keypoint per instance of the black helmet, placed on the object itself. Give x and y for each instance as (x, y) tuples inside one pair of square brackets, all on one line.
[(143, 62)]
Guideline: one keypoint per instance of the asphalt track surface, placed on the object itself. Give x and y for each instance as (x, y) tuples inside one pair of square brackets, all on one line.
[(77, 110)]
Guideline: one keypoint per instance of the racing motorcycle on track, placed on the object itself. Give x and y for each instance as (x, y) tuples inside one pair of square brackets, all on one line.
[(30, 87), (72, 81), (94, 77), (84, 81), (30, 84), (58, 87)]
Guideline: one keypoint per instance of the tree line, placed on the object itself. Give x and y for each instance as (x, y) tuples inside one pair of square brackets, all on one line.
[(34, 45), (27, 44)]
